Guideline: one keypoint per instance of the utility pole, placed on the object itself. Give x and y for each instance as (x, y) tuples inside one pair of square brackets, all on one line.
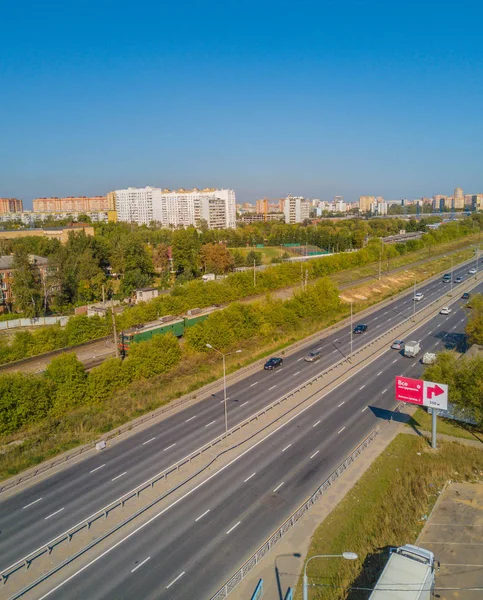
[(414, 299), (103, 296), (254, 273), (451, 274), (351, 331), (114, 328)]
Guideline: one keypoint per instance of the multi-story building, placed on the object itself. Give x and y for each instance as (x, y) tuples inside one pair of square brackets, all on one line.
[(459, 199), (7, 276), (477, 202), (136, 205), (296, 209), (10, 205), (365, 203), (249, 218), (78, 204), (174, 208), (57, 233), (379, 206)]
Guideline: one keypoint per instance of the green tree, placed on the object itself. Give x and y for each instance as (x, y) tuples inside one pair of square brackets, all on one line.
[(474, 326), (24, 399), (68, 378), (161, 258), (158, 355), (253, 257), (186, 247), (27, 285)]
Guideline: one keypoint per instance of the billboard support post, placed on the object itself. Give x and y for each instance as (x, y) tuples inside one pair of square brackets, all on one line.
[(433, 430)]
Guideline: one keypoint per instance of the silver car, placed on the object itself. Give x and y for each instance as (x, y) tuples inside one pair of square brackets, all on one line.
[(312, 356)]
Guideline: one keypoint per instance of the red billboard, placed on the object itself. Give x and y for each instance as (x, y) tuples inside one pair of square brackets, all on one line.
[(418, 391), (409, 390)]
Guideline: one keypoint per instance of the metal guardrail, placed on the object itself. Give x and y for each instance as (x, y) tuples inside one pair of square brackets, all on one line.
[(46, 466), (163, 475), (267, 546)]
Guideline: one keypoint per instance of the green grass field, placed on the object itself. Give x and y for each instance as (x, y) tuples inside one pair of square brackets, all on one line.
[(388, 506), (268, 252), (422, 420)]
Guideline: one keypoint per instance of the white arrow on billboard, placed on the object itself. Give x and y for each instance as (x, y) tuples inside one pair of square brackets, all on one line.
[(435, 395)]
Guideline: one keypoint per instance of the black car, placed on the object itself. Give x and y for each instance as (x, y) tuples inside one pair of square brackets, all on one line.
[(360, 329), (273, 363), (465, 296)]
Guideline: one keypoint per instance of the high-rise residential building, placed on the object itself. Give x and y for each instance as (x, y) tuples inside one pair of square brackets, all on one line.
[(365, 203), (10, 205), (136, 205), (296, 209), (188, 207), (477, 202), (379, 206), (77, 204), (459, 198), (173, 208)]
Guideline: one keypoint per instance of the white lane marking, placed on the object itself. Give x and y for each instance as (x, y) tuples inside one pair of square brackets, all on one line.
[(194, 489), (243, 404), (315, 424), (140, 564), (147, 441), (394, 361), (175, 580), (385, 312), (297, 373), (203, 515), (278, 486), (286, 447), (273, 386), (169, 447), (299, 359), (336, 339), (190, 419), (248, 478), (32, 503), (335, 351), (97, 468), (378, 325), (315, 454), (339, 405), (364, 409), (414, 364), (278, 370), (210, 423), (384, 391), (55, 513), (252, 384), (232, 528), (341, 430), (118, 476), (362, 387), (319, 348), (378, 373)]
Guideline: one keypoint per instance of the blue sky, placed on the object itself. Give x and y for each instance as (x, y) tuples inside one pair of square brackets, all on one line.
[(308, 97)]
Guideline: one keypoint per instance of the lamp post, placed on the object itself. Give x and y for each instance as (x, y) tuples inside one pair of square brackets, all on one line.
[(345, 555), (351, 332), (224, 355), (414, 299)]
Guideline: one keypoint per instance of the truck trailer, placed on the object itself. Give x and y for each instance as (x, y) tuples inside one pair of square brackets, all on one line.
[(408, 575)]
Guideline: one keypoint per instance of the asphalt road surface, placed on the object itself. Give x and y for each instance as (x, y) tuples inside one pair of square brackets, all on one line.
[(190, 548), (37, 514)]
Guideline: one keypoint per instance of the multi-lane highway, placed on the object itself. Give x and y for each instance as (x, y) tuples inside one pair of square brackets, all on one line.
[(188, 549), (39, 513)]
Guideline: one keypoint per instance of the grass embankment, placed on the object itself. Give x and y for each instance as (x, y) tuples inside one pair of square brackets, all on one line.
[(422, 420), (51, 437), (387, 507)]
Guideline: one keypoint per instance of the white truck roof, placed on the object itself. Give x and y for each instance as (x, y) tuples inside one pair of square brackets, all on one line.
[(406, 578)]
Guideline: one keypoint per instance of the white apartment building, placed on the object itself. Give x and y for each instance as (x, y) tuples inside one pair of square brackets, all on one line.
[(188, 207), (136, 205), (296, 209), (174, 208)]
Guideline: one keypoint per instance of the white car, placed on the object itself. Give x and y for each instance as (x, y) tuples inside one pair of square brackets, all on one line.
[(472, 271), (445, 310), (418, 296)]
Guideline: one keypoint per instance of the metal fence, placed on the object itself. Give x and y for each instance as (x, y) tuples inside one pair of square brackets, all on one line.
[(267, 546), (37, 322)]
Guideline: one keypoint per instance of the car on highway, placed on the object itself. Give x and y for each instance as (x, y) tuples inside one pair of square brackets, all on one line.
[(446, 278), (397, 345), (360, 329), (312, 356), (465, 296), (418, 296), (445, 310), (458, 280), (273, 363), (472, 271)]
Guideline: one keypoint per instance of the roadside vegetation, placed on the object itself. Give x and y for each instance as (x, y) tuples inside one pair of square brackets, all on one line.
[(344, 267), (387, 507)]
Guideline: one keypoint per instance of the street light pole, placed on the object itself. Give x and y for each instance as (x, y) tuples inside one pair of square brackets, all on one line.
[(451, 274), (414, 299), (223, 355), (351, 331), (345, 555)]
